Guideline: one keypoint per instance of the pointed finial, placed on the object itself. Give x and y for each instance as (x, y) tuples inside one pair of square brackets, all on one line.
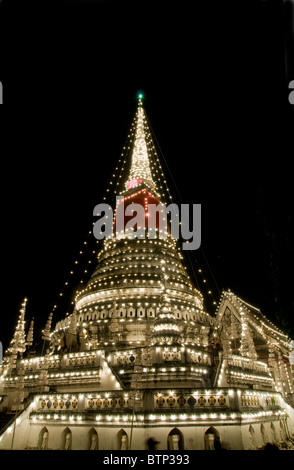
[(140, 96)]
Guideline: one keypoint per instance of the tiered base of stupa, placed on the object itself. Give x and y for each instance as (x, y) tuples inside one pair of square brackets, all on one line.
[(85, 404)]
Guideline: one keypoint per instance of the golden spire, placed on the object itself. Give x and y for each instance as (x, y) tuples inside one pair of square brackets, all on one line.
[(140, 167)]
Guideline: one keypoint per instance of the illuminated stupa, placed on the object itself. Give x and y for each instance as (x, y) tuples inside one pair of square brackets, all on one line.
[(124, 302), (139, 356)]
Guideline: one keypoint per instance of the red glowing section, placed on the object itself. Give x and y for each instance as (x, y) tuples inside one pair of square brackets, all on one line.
[(142, 197), (133, 183)]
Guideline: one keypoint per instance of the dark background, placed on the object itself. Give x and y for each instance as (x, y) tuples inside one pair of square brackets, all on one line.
[(215, 85)]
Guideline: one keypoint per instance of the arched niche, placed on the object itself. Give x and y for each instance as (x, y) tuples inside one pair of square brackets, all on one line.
[(212, 439), (264, 434), (275, 436), (252, 436), (175, 440), (66, 439), (93, 441), (122, 440), (282, 432), (43, 439)]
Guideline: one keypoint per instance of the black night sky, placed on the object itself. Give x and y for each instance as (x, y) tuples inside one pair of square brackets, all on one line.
[(216, 97)]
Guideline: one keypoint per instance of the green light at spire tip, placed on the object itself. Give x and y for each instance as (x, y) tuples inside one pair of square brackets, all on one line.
[(140, 95)]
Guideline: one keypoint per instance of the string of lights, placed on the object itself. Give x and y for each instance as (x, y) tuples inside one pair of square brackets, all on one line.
[(208, 288), (89, 241)]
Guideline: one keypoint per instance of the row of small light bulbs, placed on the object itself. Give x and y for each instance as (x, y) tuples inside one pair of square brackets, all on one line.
[(103, 281), (142, 257), (61, 375), (171, 417), (138, 296), (129, 278), (175, 262), (207, 392), (174, 267), (274, 330), (139, 304), (240, 361)]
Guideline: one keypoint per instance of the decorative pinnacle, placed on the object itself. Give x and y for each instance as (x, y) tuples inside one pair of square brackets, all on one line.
[(140, 167), (140, 95)]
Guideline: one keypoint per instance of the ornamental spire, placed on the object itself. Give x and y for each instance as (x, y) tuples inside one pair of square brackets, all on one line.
[(47, 329), (30, 335), (18, 342), (140, 166)]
